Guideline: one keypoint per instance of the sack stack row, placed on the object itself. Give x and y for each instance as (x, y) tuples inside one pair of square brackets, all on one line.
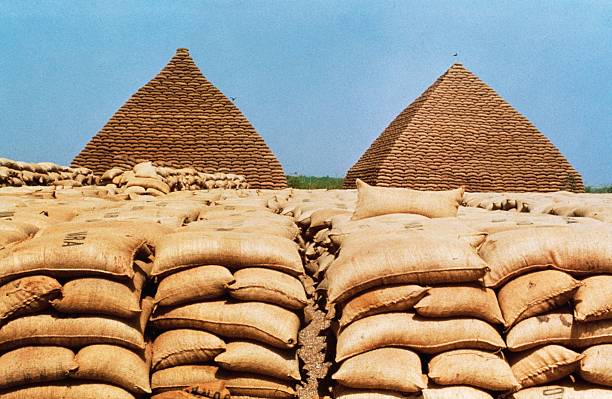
[(17, 174)]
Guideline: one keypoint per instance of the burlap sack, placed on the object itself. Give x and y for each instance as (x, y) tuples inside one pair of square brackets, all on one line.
[(341, 392), (417, 333), (63, 390), (593, 301), (182, 346), (27, 295), (456, 392), (393, 369), (262, 322), (212, 390), (192, 285), (270, 286), (566, 390), (147, 182), (260, 225), (35, 364), (373, 201), (543, 365), (459, 301), (534, 294), (180, 377), (558, 328), (381, 300), (242, 384), (234, 250), (596, 365), (250, 357)]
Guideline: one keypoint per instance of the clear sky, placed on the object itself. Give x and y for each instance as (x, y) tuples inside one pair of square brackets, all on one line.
[(318, 79)]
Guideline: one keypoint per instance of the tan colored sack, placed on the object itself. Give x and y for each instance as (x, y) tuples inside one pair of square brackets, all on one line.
[(460, 301), (457, 392), (180, 347), (180, 377), (593, 301), (234, 250), (381, 300), (417, 333), (567, 390), (27, 295), (256, 386), (192, 285), (71, 332), (147, 182), (596, 365), (113, 365), (544, 365), (271, 286), (63, 390), (558, 328), (422, 260), (261, 225), (212, 390), (250, 357), (35, 364), (71, 254), (373, 201), (258, 321), (576, 249), (393, 369), (341, 392), (534, 294)]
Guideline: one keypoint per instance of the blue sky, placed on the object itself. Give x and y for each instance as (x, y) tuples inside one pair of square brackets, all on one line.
[(318, 79)]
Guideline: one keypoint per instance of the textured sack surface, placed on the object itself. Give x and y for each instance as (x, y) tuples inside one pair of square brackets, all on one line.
[(240, 384), (373, 201), (179, 347), (113, 365), (262, 322), (27, 295), (593, 301), (35, 364), (249, 357), (381, 300), (457, 301), (543, 365), (261, 225), (420, 334), (147, 182), (420, 260), (596, 366), (341, 392), (236, 250), (458, 392), (558, 328), (393, 369), (534, 294), (182, 376), (191, 285), (212, 390), (71, 332), (271, 286), (565, 391), (576, 249), (75, 253), (472, 367), (63, 390)]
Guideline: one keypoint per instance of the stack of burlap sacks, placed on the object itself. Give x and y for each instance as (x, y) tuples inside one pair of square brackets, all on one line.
[(414, 318), (17, 174)]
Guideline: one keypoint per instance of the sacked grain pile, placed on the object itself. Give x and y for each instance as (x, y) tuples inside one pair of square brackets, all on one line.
[(72, 315), (17, 174), (229, 303)]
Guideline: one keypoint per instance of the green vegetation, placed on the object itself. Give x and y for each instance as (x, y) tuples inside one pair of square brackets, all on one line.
[(599, 189), (314, 182)]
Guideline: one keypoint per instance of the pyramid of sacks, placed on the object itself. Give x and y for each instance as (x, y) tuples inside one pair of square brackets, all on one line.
[(180, 119), (461, 132)]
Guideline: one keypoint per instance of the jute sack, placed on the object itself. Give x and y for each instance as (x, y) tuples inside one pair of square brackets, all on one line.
[(568, 390), (343, 227), (455, 392), (182, 346), (192, 285), (596, 366), (270, 286), (47, 329), (417, 333), (180, 377), (373, 201), (35, 364), (235, 250), (71, 254), (250, 357), (573, 249), (242, 384), (27, 295), (593, 300), (534, 294), (543, 365), (458, 301), (113, 365), (261, 225), (381, 300), (558, 328), (474, 368), (11, 236), (393, 369), (421, 260), (147, 182), (213, 390), (63, 390), (341, 392), (258, 321)]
